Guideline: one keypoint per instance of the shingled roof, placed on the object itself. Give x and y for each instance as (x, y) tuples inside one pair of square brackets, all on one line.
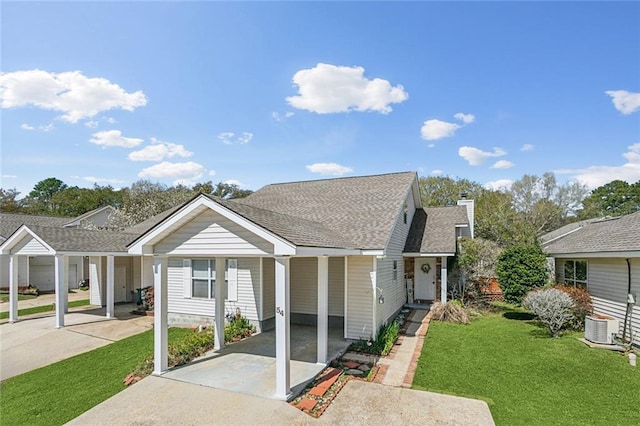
[(10, 222), (433, 229), (620, 234), (82, 240), (362, 211)]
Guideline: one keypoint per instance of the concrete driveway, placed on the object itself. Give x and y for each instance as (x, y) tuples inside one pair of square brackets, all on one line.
[(160, 400), (31, 343)]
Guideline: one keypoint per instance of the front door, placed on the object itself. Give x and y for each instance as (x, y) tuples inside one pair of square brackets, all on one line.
[(120, 283), (425, 279)]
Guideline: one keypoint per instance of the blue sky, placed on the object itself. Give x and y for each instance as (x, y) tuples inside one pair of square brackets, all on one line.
[(256, 93)]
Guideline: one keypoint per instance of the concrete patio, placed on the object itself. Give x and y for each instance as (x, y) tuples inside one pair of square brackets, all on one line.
[(249, 366)]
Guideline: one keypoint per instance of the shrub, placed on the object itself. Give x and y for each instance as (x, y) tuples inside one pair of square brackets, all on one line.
[(238, 328), (387, 336), (551, 306), (452, 311), (519, 270), (582, 305)]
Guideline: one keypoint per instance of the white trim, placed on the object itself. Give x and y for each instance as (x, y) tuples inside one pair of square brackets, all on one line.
[(323, 310), (110, 285), (323, 251), (18, 235), (428, 254), (160, 328), (283, 343), (145, 243), (186, 279), (219, 295), (261, 291), (346, 294), (232, 280), (562, 235), (374, 284), (617, 254), (372, 252)]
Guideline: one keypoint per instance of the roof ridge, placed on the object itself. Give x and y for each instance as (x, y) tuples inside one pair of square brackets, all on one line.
[(338, 178)]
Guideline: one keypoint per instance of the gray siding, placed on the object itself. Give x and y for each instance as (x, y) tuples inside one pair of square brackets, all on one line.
[(304, 285), (336, 286), (248, 291), (608, 284), (211, 234), (360, 278)]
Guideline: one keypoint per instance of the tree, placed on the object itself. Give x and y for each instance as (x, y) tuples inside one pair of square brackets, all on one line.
[(496, 220), (520, 269), (612, 199), (438, 191), (9, 202), (40, 199), (222, 190), (74, 201), (476, 261)]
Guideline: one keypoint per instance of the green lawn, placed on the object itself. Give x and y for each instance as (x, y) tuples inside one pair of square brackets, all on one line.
[(59, 392), (4, 297), (45, 308), (526, 377)]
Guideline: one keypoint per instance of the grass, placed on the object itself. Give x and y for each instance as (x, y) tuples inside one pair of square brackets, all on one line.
[(526, 377), (45, 308), (4, 297), (59, 392)]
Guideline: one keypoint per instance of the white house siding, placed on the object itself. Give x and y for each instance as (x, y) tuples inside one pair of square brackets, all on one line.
[(394, 290), (268, 288), (336, 286), (304, 285), (29, 245), (360, 276), (211, 234), (23, 276), (196, 310), (607, 282)]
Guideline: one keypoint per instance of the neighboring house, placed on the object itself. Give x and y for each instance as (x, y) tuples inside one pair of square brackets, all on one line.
[(346, 253), (602, 256), (38, 270)]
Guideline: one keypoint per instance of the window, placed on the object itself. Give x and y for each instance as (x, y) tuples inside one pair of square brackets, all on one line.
[(575, 273), (203, 278), (395, 270)]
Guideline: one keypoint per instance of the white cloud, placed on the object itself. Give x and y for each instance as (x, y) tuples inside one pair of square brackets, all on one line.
[(437, 172), (230, 138), (182, 173), (71, 93), (107, 138), (234, 182), (437, 129), (595, 176), (502, 164), (110, 120), (476, 157), (625, 102), (500, 184), (276, 116), (8, 176), (328, 88), (92, 124), (159, 151), (212, 172), (93, 179), (44, 128), (527, 147), (465, 118), (332, 169)]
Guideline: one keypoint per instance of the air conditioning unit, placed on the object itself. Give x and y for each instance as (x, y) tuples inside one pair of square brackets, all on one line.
[(599, 329)]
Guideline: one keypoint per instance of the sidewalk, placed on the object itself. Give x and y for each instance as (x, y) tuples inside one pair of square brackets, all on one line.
[(45, 299)]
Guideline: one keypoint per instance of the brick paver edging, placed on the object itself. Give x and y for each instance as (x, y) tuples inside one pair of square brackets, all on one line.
[(422, 332)]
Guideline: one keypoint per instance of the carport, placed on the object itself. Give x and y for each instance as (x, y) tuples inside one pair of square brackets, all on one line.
[(61, 244), (249, 366)]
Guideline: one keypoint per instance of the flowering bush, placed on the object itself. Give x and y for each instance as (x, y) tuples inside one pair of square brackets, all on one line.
[(551, 306)]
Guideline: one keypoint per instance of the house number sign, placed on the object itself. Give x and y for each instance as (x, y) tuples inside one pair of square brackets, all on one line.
[(280, 311)]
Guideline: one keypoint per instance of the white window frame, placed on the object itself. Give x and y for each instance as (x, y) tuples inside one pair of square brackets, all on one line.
[(211, 278), (231, 296)]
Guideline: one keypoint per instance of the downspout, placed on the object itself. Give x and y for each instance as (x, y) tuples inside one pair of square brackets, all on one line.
[(627, 317)]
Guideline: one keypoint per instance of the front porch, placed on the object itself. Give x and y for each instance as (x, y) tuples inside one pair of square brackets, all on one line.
[(249, 366)]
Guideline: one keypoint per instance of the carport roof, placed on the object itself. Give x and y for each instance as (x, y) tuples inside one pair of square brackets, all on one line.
[(73, 240)]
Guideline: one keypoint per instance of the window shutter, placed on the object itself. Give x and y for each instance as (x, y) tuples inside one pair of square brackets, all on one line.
[(232, 278), (186, 277)]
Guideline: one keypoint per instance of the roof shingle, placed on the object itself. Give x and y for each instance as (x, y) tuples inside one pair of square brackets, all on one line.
[(433, 229)]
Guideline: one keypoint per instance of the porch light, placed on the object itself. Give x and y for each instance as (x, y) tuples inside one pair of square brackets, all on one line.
[(381, 299)]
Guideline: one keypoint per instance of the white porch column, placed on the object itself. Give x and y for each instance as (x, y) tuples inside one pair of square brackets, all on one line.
[(283, 350), (95, 280), (323, 308), (65, 273), (110, 285), (60, 264), (160, 329), (13, 288), (443, 280), (219, 296)]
